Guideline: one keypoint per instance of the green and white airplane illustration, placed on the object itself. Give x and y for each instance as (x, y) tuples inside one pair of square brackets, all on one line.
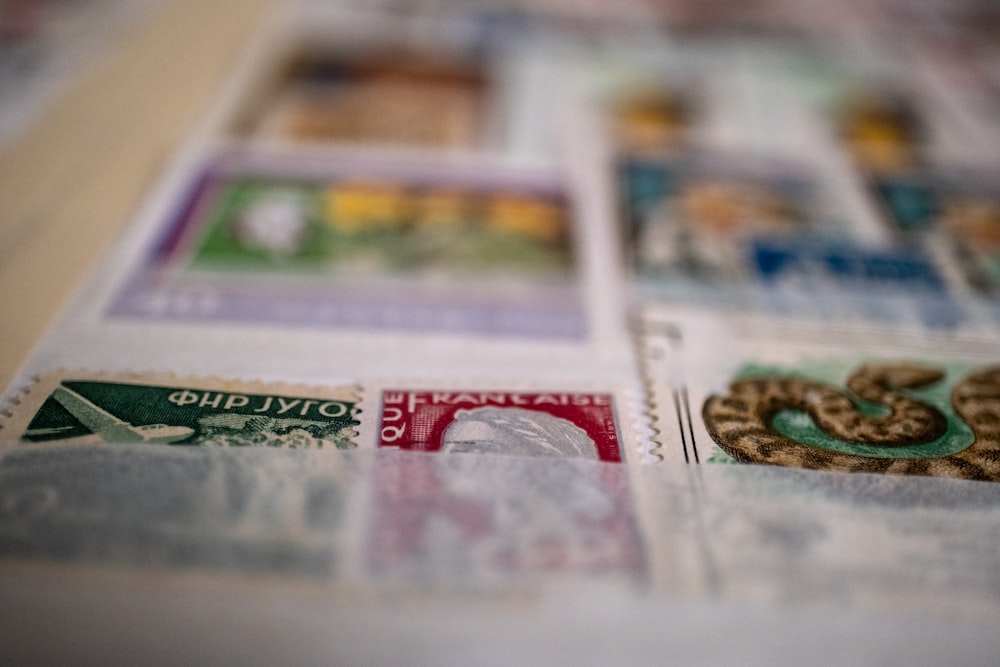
[(106, 427)]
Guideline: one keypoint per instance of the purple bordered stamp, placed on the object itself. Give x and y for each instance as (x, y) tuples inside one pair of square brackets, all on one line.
[(358, 244), (575, 424)]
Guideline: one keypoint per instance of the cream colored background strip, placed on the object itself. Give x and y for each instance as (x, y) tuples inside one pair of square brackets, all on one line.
[(70, 183)]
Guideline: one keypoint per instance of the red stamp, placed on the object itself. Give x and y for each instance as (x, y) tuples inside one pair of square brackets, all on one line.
[(557, 424)]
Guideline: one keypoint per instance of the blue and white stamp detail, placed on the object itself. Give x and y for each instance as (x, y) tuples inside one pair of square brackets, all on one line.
[(888, 286), (958, 211), (688, 220), (756, 238), (363, 245)]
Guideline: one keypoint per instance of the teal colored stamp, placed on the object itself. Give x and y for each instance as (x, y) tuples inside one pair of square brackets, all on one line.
[(88, 408)]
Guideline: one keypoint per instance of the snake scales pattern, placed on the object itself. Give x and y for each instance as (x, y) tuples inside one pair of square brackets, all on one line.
[(741, 422)]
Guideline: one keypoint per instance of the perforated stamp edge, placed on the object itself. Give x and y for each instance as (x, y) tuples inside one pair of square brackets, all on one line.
[(21, 408)]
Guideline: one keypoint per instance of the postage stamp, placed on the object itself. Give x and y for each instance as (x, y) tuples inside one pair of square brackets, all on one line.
[(363, 244), (898, 410), (688, 220), (71, 408), (586, 424), (404, 97), (756, 238), (652, 119), (957, 213), (882, 131)]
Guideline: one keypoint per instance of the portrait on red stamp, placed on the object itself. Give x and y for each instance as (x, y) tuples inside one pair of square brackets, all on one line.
[(547, 424)]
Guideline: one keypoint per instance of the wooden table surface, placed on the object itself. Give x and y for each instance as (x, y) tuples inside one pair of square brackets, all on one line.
[(72, 181)]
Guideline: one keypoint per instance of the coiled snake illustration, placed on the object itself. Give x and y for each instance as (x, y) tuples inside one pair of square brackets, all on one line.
[(741, 422)]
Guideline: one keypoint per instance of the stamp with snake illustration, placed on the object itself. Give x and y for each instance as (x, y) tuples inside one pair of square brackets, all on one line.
[(883, 426)]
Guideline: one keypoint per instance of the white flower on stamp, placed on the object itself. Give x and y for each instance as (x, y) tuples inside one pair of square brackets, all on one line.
[(277, 223)]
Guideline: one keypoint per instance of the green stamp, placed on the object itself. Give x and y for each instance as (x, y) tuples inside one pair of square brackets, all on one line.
[(349, 229), (901, 417), (87, 408)]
